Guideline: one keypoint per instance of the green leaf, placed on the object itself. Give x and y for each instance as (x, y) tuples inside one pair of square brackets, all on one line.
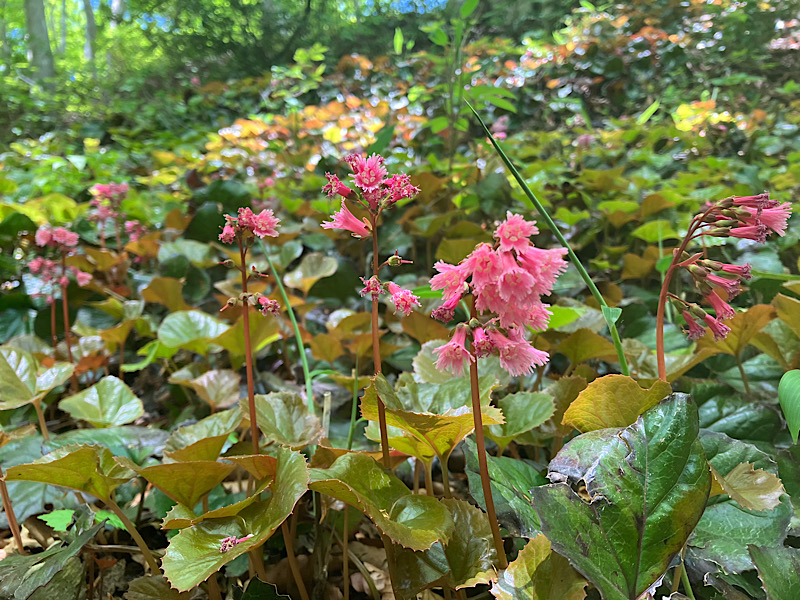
[(512, 481), (466, 560), (647, 486), (21, 576), (258, 590), (153, 587), (106, 516), (410, 520), (135, 443), (397, 42), (777, 568), (190, 330), (59, 520), (90, 469), (199, 254), (611, 313), (383, 139), (751, 488), (522, 411), (726, 529), (194, 553), (283, 417), (648, 112), (312, 268), (184, 482), (653, 231), (25, 380), (107, 403), (789, 397), (789, 471), (203, 440), (468, 8), (538, 573)]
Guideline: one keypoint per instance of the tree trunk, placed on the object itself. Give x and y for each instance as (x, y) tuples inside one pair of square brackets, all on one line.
[(5, 51), (91, 35), (62, 46), (117, 12), (38, 40)]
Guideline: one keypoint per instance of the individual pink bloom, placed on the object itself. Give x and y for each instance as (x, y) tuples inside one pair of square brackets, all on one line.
[(374, 197), (404, 300), (344, 219), (369, 173), (130, 226), (64, 237), (63, 281), (246, 219), (481, 343), (400, 188), (83, 278), (451, 356), (539, 316), (334, 187), (450, 279), (447, 310), (774, 218), (43, 236), (718, 328), (36, 265), (372, 288), (517, 355), (484, 264), (740, 270), (269, 182), (487, 299), (228, 234), (514, 232), (269, 306), (265, 224), (545, 265), (756, 232), (759, 201), (731, 286), (695, 331), (514, 282), (721, 308)]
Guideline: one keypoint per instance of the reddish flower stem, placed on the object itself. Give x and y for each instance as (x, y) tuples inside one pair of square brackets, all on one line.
[(53, 336), (251, 396), (12, 518), (482, 462), (67, 335), (376, 349)]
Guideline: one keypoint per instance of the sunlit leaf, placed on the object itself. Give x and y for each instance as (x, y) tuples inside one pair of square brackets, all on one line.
[(751, 488), (203, 440), (107, 403), (312, 268), (167, 291), (184, 482), (190, 330), (744, 327), (24, 380), (283, 417), (789, 397)]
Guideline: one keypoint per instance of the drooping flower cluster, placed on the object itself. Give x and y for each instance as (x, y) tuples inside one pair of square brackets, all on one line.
[(54, 273), (507, 280), (751, 218), (263, 224), (375, 190), (134, 230)]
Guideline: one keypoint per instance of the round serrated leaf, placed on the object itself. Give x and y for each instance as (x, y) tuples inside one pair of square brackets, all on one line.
[(190, 330), (107, 403), (312, 268)]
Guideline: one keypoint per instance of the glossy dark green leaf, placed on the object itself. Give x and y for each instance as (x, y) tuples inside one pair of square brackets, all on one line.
[(512, 481), (194, 553), (725, 530), (647, 486), (522, 412), (410, 520), (789, 472), (739, 418), (107, 403), (153, 587), (258, 590), (778, 568)]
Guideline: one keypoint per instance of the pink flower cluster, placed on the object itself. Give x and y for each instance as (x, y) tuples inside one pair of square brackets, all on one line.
[(747, 217), (404, 300), (263, 224), (115, 192), (56, 237), (507, 281), (50, 271), (135, 230)]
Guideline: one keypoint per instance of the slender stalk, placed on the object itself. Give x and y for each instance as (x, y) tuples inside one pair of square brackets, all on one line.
[(37, 405), (376, 350), (297, 336), (90, 584), (345, 558), (213, 588), (248, 354), (131, 528), (429, 480), (289, 543), (13, 525), (53, 337), (64, 301), (612, 328), (687, 587), (257, 560), (443, 460), (353, 408), (745, 380), (482, 462)]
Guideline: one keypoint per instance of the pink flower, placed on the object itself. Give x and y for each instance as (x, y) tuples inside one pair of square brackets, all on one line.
[(451, 356), (269, 306), (368, 173), (83, 278), (514, 232), (265, 224), (36, 265), (335, 186), (731, 286), (484, 264), (43, 236), (759, 201), (545, 265), (344, 219), (756, 232), (400, 188), (228, 234), (740, 270), (718, 328), (446, 311), (404, 300), (774, 218), (481, 343), (450, 279), (372, 288), (517, 355), (695, 331), (515, 282), (721, 308), (64, 237), (232, 541)]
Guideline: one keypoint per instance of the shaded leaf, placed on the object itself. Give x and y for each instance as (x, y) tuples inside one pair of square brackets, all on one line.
[(107, 403), (744, 327), (135, 443), (777, 568), (585, 345), (613, 401), (647, 486), (153, 587), (522, 412), (184, 482), (538, 573), (167, 291), (410, 520), (203, 440), (789, 397)]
